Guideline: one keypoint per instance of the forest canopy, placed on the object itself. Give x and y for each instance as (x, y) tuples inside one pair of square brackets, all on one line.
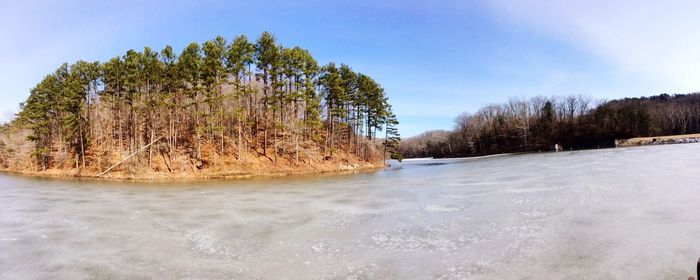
[(216, 99)]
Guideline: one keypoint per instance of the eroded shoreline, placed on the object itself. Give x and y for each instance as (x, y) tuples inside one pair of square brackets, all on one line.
[(204, 175)]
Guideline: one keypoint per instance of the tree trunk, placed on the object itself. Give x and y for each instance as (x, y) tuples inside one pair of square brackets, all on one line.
[(82, 147), (150, 151)]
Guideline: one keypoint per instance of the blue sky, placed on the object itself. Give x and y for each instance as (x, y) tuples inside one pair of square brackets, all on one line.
[(436, 59)]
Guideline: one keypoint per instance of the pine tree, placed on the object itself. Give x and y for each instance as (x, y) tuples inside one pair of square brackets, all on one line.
[(547, 122), (239, 57), (189, 65), (152, 75), (349, 84), (312, 102), (391, 136), (334, 97), (72, 103), (38, 114), (267, 61), (213, 76), (170, 96), (113, 94), (132, 88)]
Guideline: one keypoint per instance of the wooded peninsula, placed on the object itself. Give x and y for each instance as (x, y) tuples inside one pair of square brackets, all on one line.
[(218, 109)]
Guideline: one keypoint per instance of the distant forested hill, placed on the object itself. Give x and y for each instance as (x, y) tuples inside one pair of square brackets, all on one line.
[(573, 122)]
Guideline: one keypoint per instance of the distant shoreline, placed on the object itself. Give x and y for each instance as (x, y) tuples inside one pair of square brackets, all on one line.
[(472, 157), (622, 143), (659, 140)]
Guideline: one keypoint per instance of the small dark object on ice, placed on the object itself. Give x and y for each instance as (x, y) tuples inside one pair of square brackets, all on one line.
[(698, 271)]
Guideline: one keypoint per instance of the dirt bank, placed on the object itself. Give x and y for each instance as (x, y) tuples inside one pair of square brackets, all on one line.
[(657, 140), (182, 168)]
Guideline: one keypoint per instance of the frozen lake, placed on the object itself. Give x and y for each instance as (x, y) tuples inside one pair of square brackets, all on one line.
[(629, 213)]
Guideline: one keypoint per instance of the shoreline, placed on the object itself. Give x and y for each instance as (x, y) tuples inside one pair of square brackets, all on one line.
[(204, 176), (472, 157), (624, 143), (659, 140)]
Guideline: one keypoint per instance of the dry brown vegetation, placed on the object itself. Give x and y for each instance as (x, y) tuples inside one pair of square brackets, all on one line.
[(16, 156)]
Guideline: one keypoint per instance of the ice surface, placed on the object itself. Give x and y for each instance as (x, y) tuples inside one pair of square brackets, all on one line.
[(602, 214)]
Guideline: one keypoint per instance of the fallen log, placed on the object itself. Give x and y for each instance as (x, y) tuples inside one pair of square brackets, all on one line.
[(128, 157)]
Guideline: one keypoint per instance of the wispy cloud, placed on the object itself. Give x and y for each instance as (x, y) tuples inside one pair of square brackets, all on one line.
[(434, 58), (656, 40)]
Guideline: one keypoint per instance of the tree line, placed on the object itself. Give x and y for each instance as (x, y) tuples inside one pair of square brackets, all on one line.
[(573, 122), (219, 98)]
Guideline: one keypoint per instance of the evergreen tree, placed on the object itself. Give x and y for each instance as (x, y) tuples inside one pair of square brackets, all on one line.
[(312, 102), (170, 97), (239, 58), (391, 136), (189, 65), (547, 122), (267, 61), (113, 95), (213, 76), (350, 93), (72, 104), (334, 96), (38, 114)]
